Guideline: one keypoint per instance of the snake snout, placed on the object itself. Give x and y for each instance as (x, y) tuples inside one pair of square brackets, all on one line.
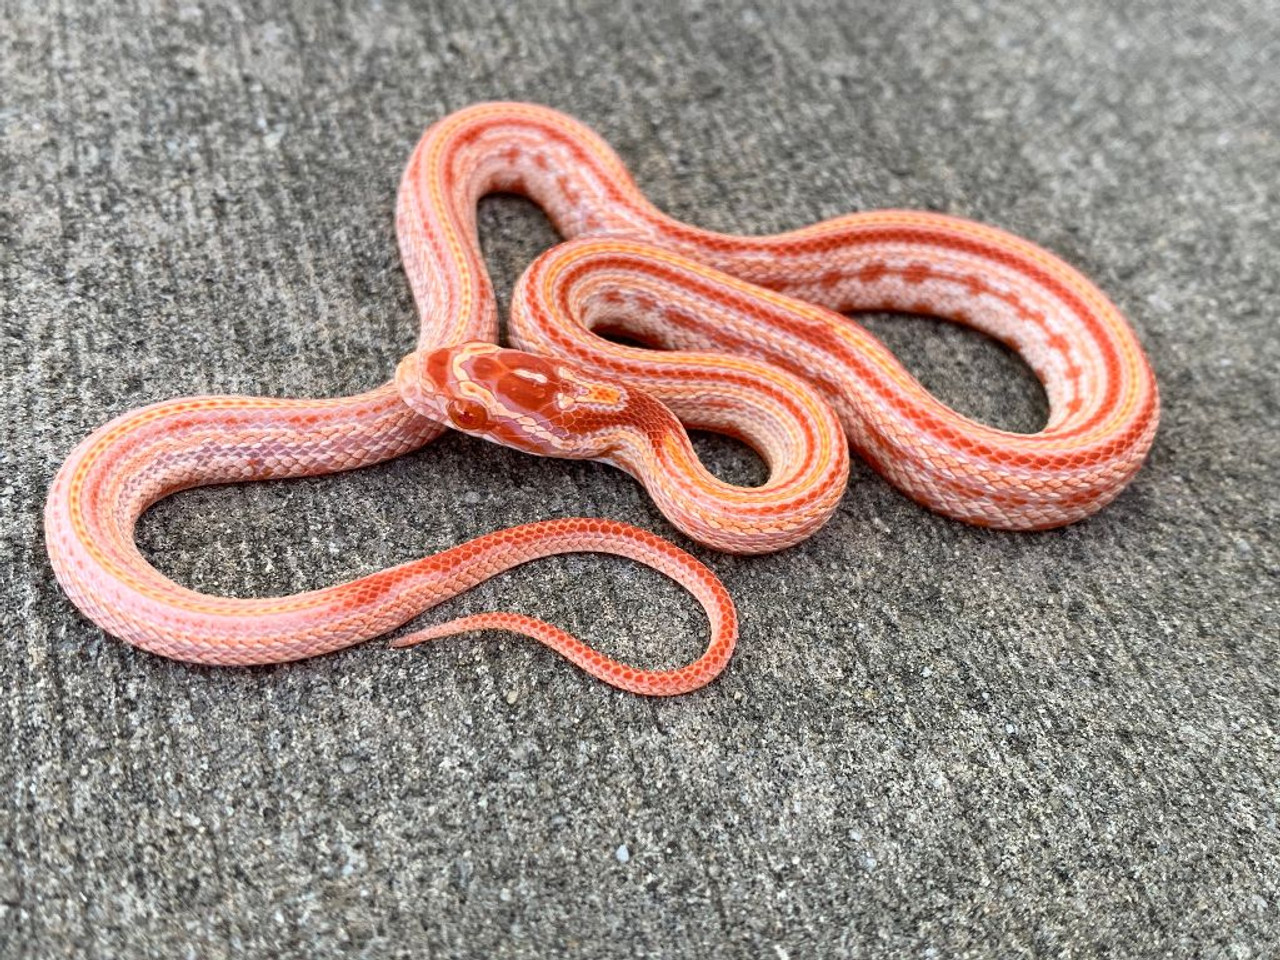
[(418, 388), (426, 386)]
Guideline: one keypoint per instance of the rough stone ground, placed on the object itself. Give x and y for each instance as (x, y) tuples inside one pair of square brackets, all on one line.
[(934, 741)]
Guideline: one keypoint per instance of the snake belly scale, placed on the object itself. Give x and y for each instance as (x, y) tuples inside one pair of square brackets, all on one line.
[(752, 339)]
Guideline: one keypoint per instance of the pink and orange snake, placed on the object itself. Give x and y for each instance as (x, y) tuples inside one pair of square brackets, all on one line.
[(752, 341)]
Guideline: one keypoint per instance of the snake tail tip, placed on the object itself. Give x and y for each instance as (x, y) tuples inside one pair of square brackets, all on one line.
[(461, 625), (410, 640)]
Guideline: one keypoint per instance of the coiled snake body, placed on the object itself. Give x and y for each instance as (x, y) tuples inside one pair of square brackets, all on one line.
[(753, 342)]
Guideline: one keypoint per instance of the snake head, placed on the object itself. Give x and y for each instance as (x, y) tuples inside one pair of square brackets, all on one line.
[(535, 404)]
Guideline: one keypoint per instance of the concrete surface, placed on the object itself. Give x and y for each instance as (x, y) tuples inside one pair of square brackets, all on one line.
[(933, 742)]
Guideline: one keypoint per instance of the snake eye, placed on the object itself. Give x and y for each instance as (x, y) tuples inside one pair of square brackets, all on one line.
[(467, 414)]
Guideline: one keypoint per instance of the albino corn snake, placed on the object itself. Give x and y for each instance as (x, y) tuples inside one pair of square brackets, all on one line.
[(753, 343)]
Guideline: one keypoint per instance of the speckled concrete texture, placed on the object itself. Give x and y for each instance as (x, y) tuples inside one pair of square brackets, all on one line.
[(934, 741)]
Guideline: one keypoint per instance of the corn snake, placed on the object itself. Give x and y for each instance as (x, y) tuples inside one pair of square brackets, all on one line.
[(753, 342)]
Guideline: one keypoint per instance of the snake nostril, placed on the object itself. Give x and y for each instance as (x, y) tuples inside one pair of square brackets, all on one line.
[(467, 414)]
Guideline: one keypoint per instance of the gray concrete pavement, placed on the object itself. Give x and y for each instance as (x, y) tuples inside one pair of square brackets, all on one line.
[(934, 741)]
